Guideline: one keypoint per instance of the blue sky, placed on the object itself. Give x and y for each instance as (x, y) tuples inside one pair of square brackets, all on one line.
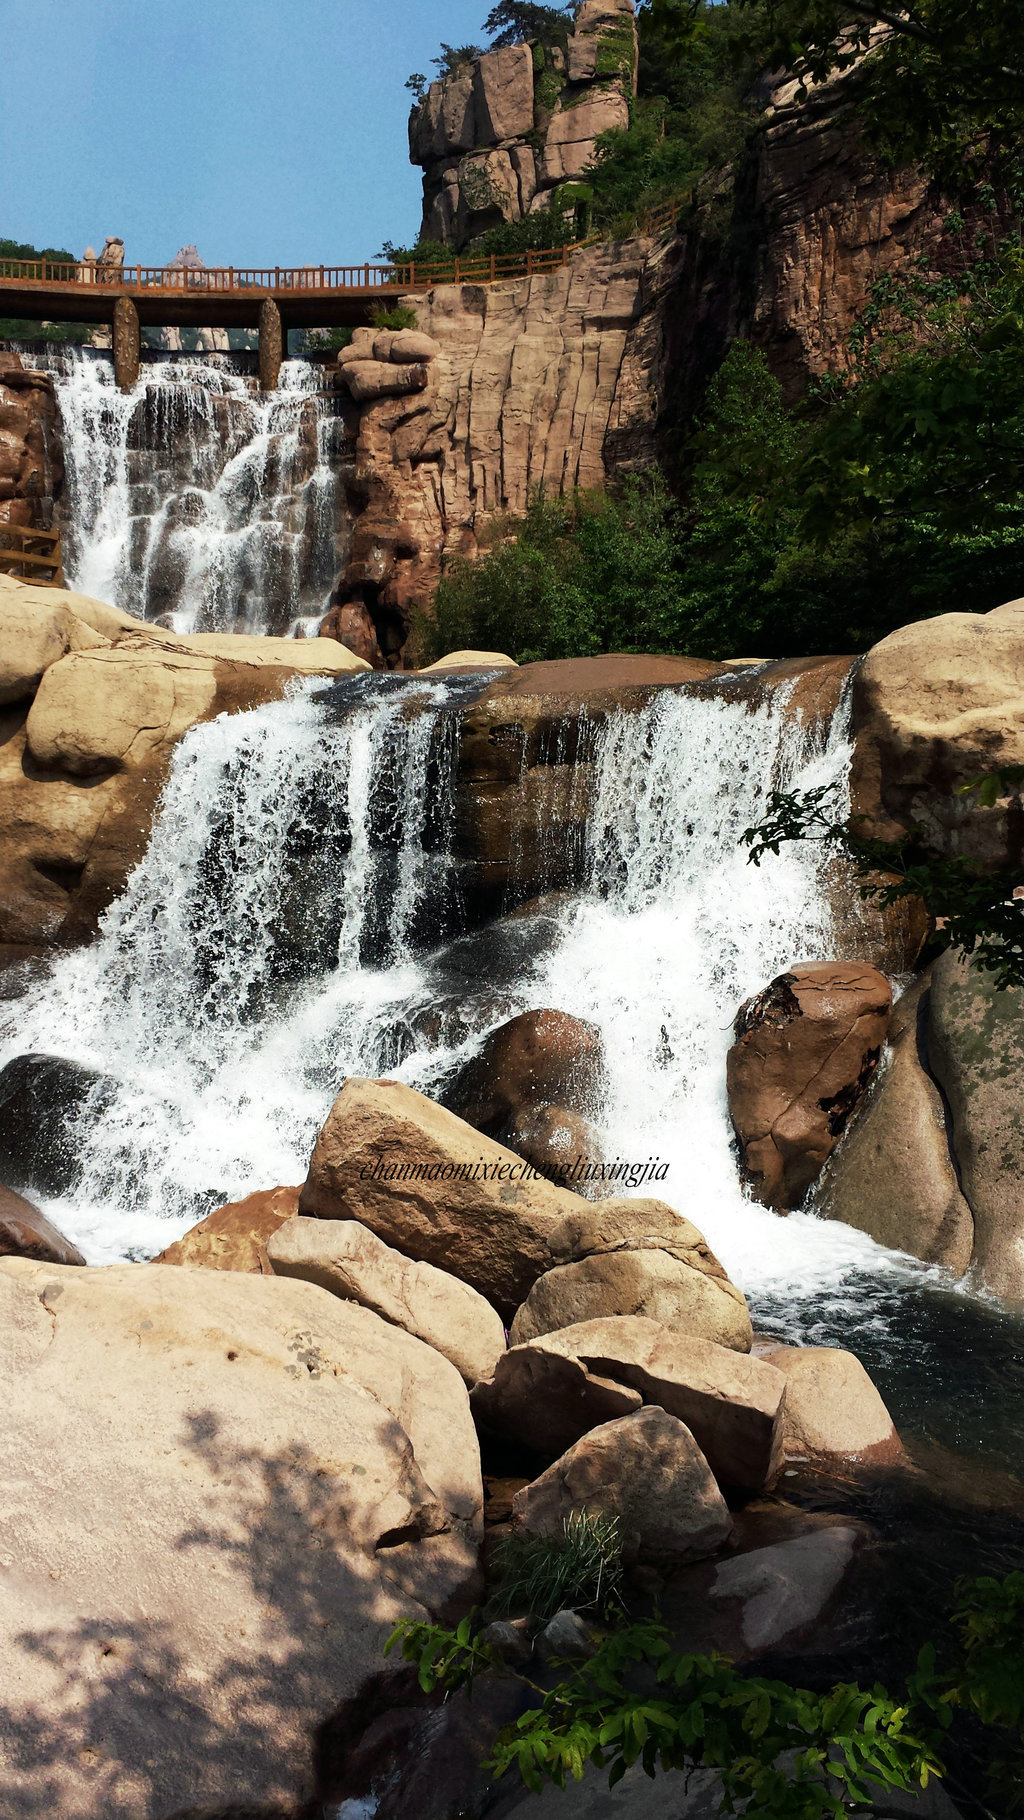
[(266, 131)]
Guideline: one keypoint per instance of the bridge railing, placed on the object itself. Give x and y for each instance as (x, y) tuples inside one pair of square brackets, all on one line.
[(480, 268)]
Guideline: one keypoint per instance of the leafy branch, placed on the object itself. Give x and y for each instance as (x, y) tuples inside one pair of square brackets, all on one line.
[(974, 911)]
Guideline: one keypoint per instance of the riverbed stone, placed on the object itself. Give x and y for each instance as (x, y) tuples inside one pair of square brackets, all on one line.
[(976, 1052), (235, 1236), (832, 1415), (730, 1402), (806, 1048), (894, 1173), (648, 1472), (228, 1490), (25, 1232), (348, 1259), (782, 1590), (547, 1399)]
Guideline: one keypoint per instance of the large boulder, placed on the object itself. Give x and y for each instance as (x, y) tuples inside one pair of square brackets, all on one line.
[(634, 1257), (560, 1144), (777, 1593), (97, 703), (25, 1232), (647, 1471), (729, 1401), (976, 1052), (536, 1058), (806, 1048), (235, 1236), (936, 705), (41, 1096), (547, 1399), (227, 1492), (351, 1261), (832, 1415), (893, 1174)]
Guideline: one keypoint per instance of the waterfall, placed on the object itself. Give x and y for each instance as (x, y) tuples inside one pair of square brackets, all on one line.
[(197, 500), (285, 929)]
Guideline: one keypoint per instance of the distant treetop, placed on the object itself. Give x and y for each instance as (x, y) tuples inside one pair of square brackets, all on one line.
[(517, 21)]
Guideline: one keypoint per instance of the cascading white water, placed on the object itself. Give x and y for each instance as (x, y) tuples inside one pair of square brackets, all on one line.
[(197, 499), (271, 943)]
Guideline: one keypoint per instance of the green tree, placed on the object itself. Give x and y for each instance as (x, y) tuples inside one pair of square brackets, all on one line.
[(523, 22)]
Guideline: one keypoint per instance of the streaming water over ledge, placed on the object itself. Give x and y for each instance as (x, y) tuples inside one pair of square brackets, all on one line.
[(197, 500), (291, 924)]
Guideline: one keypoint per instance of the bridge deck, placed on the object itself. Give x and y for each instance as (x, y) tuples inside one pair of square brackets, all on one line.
[(230, 297)]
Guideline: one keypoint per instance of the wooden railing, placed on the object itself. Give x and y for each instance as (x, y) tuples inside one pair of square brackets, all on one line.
[(25, 552), (479, 268)]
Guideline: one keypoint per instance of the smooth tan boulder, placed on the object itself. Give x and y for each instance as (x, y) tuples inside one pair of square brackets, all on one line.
[(409, 347), (471, 660), (729, 1401), (832, 1415), (936, 705), (806, 1048), (351, 1261), (235, 1237), (625, 1257), (976, 1052), (25, 1232), (228, 1489), (83, 760), (437, 1190), (503, 94), (645, 1469), (368, 380), (649, 1283), (894, 1175)]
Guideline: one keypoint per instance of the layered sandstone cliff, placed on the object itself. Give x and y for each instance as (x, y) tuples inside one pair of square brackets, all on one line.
[(508, 134), (31, 460), (544, 382)]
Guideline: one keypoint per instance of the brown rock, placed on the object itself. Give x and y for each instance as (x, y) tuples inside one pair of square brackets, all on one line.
[(645, 1469), (235, 1237), (25, 1232), (893, 1174), (832, 1415), (352, 626), (806, 1049), (536, 1057), (31, 456), (729, 1402), (351, 1261), (409, 347), (547, 1399), (503, 94), (368, 380), (228, 1490), (976, 1052), (471, 660), (561, 1145)]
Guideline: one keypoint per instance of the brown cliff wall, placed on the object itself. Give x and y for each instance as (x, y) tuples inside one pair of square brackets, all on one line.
[(31, 458), (538, 382)]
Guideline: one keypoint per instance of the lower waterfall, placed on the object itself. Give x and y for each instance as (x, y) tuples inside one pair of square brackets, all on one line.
[(285, 930), (197, 500)]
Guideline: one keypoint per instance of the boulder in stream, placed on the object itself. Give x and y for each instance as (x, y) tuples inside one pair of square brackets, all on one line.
[(40, 1098), (234, 1237), (806, 1048), (25, 1232), (832, 1415)]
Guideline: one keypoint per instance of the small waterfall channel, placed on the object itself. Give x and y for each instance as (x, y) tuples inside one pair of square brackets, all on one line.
[(297, 919), (195, 499)]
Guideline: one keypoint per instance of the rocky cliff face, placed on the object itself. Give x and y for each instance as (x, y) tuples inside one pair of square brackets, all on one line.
[(786, 252), (31, 459), (544, 381), (505, 136)]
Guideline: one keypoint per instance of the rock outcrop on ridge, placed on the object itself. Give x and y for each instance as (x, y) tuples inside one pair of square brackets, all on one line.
[(508, 134)]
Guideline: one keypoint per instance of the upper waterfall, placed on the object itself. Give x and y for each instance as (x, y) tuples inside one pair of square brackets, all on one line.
[(197, 500)]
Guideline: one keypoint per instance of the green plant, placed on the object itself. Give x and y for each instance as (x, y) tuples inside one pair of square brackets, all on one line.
[(399, 316), (581, 1569), (780, 1752), (456, 57), (325, 341), (975, 911), (417, 85), (524, 22)]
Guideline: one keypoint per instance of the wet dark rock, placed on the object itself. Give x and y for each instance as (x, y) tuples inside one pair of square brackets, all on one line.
[(41, 1097)]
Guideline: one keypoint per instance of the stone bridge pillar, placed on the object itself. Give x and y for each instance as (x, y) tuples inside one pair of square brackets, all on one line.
[(127, 343), (271, 345)]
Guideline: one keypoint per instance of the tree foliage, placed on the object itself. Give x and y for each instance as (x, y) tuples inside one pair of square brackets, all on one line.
[(523, 22), (20, 329), (780, 1752), (974, 910)]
